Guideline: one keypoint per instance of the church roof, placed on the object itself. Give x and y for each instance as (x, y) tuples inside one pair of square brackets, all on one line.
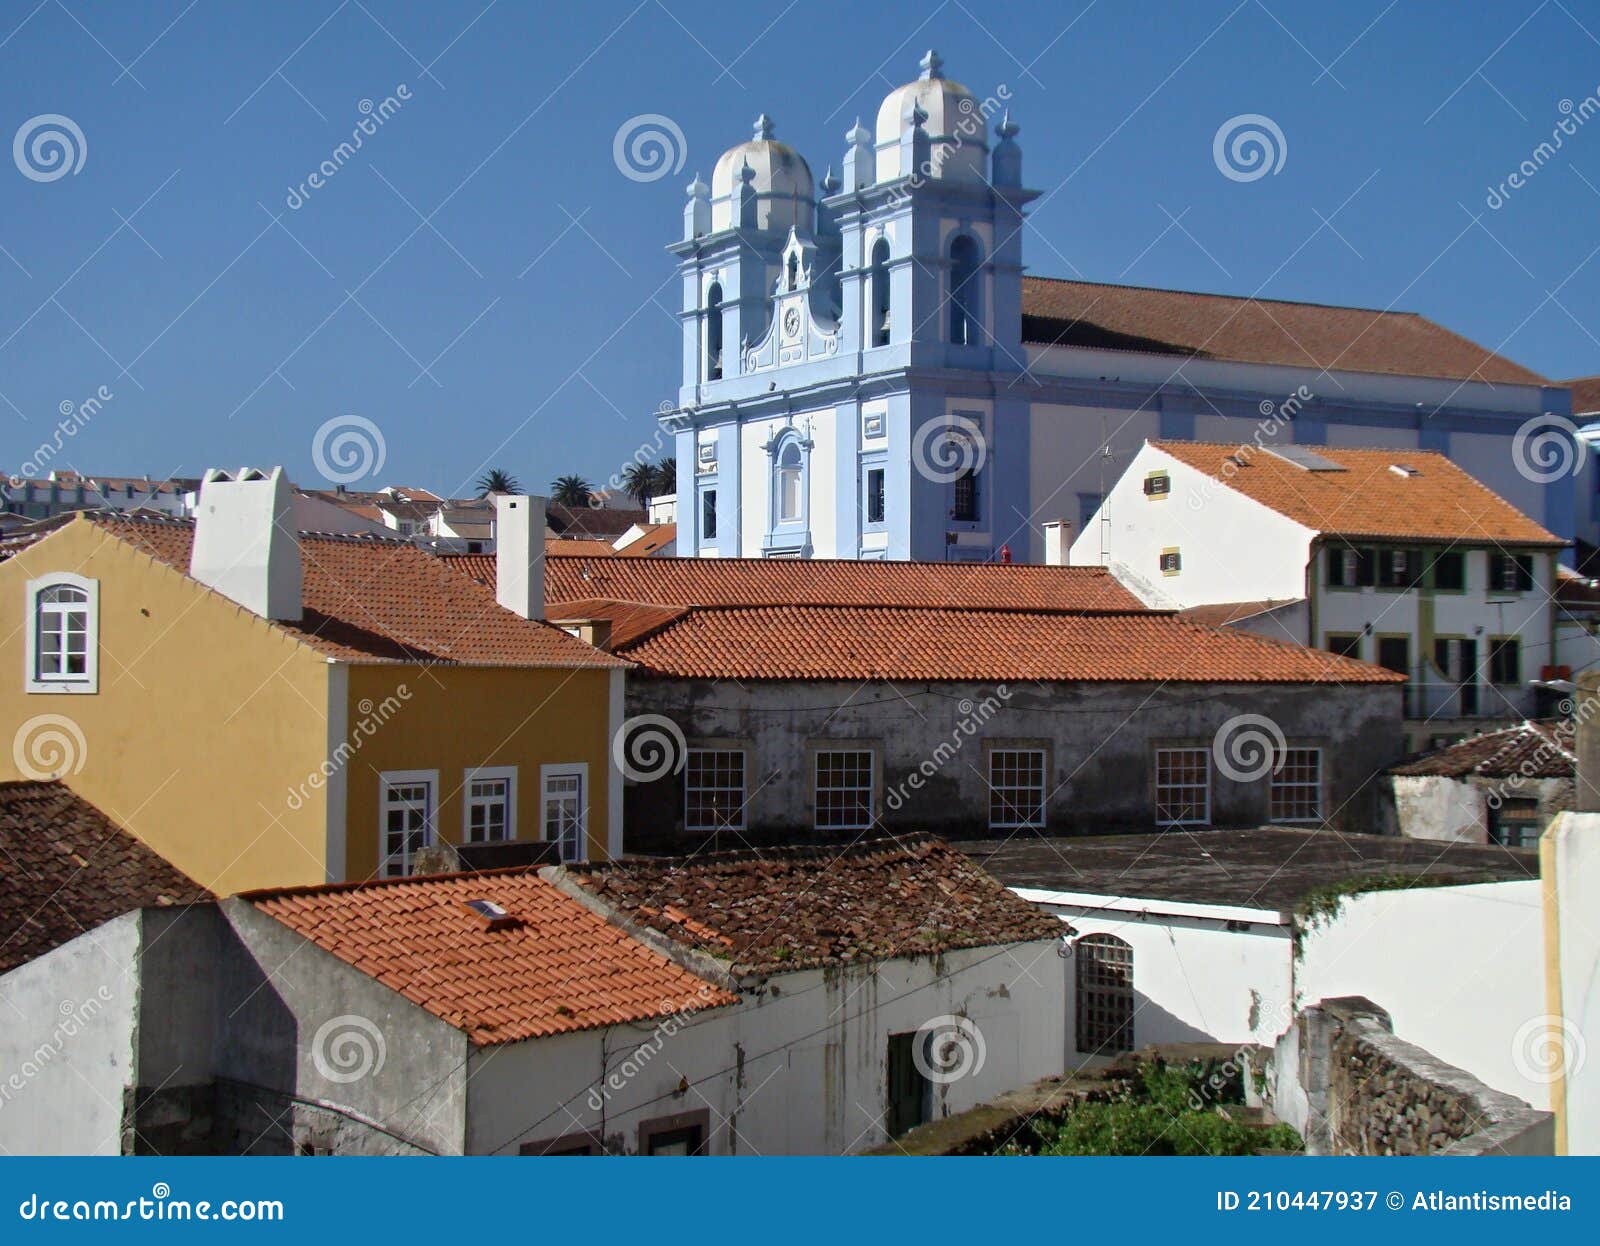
[(1250, 330), (1385, 492)]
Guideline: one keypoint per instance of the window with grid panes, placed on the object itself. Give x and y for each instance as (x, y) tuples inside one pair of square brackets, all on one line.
[(488, 810), (1104, 994), (1183, 786), (713, 789), (1296, 792), (844, 789), (1016, 788)]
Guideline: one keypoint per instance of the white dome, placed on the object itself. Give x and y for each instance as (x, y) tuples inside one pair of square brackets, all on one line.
[(781, 179), (957, 130)]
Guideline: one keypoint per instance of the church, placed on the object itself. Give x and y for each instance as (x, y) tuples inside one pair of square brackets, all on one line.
[(868, 373)]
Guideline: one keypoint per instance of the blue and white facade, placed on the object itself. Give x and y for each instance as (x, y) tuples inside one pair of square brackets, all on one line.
[(855, 383)]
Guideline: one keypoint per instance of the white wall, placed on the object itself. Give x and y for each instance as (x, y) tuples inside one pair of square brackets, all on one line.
[(1194, 980), (799, 1069), (1570, 857), (67, 1045), (1232, 548), (1459, 969), (1434, 807)]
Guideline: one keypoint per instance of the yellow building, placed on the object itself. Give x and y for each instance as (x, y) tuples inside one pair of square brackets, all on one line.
[(267, 708)]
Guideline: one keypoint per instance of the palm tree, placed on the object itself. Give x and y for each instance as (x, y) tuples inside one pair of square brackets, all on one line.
[(667, 476), (571, 491), (497, 481), (641, 481)]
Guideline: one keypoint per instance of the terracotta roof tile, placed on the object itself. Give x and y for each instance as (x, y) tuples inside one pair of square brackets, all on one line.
[(832, 642), (66, 868), (369, 598), (650, 540), (1251, 330), (1585, 395), (1368, 498), (630, 621), (555, 968), (799, 908), (837, 582), (1221, 613), (1532, 749)]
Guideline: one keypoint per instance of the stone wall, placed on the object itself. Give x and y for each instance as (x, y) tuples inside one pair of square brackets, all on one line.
[(1366, 1092)]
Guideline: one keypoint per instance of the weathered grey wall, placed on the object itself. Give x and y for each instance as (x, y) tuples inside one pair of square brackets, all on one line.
[(1457, 810), (1100, 739)]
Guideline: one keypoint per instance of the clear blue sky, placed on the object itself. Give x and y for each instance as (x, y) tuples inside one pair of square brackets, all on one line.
[(538, 296)]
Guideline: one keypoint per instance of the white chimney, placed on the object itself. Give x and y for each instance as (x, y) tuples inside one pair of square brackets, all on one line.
[(245, 542), (519, 554), (1057, 543)]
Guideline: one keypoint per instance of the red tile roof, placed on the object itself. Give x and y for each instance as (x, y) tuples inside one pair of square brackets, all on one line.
[(1585, 395), (66, 868), (1251, 330), (800, 908), (650, 540), (630, 620), (1534, 750), (835, 582), (372, 599), (556, 968), (1221, 613), (933, 643), (1368, 498)]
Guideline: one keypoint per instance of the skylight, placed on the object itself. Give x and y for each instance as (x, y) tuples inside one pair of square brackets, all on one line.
[(1305, 458)]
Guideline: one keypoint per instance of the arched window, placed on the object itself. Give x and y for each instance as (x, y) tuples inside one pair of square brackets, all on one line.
[(63, 638), (794, 271), (1104, 994), (714, 332), (878, 281), (965, 322), (789, 483)]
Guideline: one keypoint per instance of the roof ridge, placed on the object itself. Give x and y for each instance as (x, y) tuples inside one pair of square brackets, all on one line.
[(259, 894), (1237, 298)]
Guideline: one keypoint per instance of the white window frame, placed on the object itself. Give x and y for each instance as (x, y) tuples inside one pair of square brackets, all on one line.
[(1015, 823), (567, 770), (89, 681), (1155, 786), (738, 821), (396, 778), (1277, 783), (871, 787), (480, 774)]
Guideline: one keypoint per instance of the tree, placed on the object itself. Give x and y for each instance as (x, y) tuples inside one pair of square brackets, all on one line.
[(497, 481), (667, 476), (571, 491), (641, 481)]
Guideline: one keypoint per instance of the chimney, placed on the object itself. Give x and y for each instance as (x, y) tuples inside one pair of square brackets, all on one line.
[(1058, 543), (519, 554), (245, 542)]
